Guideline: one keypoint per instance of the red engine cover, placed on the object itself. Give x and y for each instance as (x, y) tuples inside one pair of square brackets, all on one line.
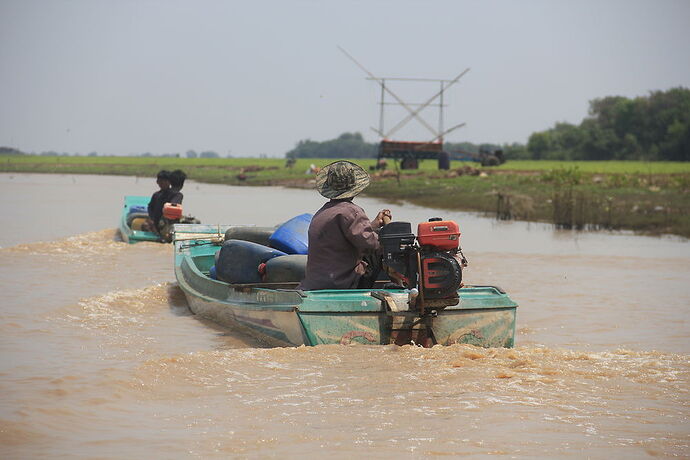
[(441, 234), (172, 211)]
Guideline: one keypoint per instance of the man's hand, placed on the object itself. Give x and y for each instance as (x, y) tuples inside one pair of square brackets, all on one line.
[(382, 218)]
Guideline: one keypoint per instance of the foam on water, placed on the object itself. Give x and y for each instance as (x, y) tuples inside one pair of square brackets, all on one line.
[(98, 243), (429, 392)]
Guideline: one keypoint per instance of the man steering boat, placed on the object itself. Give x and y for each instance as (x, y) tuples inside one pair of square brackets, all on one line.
[(340, 232)]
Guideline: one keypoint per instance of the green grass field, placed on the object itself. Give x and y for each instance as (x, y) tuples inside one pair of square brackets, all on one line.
[(97, 163), (648, 197), (602, 167)]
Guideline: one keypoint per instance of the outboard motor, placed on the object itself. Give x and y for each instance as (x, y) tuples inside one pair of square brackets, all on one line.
[(399, 253), (430, 263), (439, 242)]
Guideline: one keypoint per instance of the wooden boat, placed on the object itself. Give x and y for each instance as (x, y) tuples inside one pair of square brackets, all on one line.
[(281, 315), (129, 214)]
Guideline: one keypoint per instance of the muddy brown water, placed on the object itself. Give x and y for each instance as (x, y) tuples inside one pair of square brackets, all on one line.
[(101, 358)]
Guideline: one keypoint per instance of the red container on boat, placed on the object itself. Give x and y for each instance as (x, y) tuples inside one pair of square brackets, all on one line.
[(441, 234), (172, 211)]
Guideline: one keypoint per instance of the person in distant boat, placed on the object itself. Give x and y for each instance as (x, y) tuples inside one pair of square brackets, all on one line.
[(340, 232), (174, 196), (158, 199), (177, 178)]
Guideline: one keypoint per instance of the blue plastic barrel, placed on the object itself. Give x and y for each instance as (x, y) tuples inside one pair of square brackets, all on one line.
[(293, 236), (137, 208)]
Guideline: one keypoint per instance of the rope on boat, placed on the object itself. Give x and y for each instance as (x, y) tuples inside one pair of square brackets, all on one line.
[(200, 239), (218, 237), (199, 243)]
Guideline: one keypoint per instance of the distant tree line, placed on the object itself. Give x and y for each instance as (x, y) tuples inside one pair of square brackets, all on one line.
[(347, 145), (10, 151), (353, 145), (50, 153), (205, 154), (654, 127), (459, 150)]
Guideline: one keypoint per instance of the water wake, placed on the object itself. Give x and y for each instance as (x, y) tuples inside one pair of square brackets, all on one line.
[(125, 309), (98, 242)]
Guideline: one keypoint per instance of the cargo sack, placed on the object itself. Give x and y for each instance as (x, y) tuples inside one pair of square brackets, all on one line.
[(237, 261), (286, 269), (138, 223), (259, 235), (136, 215)]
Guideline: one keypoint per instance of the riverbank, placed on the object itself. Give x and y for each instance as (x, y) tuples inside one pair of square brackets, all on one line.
[(649, 198)]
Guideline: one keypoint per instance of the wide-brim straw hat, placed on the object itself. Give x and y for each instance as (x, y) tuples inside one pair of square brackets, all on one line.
[(341, 179)]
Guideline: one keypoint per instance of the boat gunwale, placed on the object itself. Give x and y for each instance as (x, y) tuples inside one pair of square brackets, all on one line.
[(319, 296)]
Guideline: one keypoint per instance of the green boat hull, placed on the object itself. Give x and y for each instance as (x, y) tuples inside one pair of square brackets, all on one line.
[(129, 235), (280, 315)]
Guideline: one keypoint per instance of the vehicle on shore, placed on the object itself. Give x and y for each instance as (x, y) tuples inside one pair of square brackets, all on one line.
[(279, 314)]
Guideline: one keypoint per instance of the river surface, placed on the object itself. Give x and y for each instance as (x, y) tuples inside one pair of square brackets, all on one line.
[(101, 358)]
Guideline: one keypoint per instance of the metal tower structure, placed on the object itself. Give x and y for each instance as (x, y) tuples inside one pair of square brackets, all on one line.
[(413, 109)]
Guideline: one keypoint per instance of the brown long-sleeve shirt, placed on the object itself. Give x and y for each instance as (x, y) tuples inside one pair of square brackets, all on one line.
[(339, 234)]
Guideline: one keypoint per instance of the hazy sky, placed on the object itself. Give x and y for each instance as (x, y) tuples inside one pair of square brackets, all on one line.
[(255, 77)]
